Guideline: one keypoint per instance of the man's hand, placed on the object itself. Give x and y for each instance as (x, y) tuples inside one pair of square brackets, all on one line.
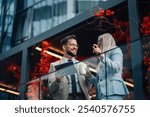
[(88, 73)]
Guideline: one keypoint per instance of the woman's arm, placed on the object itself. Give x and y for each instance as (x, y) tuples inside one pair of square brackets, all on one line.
[(115, 61)]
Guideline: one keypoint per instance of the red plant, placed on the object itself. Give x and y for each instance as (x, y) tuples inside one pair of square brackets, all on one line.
[(15, 69), (102, 12), (145, 31), (147, 86), (146, 61), (42, 68), (33, 90), (145, 26), (122, 32), (121, 28)]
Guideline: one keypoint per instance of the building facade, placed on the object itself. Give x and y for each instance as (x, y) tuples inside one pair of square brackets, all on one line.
[(28, 26)]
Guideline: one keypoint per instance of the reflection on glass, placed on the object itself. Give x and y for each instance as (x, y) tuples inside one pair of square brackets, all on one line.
[(23, 29), (82, 5), (10, 73), (54, 14), (42, 21), (146, 66), (38, 88), (8, 21)]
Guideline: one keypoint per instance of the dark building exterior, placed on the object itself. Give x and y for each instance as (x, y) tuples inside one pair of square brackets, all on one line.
[(29, 28)]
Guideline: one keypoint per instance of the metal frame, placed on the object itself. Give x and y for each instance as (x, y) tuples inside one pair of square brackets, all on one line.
[(136, 49), (64, 26), (24, 73), (3, 24)]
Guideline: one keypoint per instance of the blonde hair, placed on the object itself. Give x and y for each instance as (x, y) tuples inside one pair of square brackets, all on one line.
[(107, 42)]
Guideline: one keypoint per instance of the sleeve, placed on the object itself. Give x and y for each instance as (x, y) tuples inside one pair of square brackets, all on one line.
[(53, 84), (115, 61), (93, 80)]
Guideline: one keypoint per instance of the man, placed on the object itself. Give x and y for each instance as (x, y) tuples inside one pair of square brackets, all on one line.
[(65, 88)]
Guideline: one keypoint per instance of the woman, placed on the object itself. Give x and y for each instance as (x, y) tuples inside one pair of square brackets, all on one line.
[(108, 81)]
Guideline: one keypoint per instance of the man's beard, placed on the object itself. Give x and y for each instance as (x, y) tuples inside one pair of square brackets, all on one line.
[(71, 54)]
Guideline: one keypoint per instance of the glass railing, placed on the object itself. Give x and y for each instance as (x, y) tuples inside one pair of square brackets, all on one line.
[(40, 88), (46, 86)]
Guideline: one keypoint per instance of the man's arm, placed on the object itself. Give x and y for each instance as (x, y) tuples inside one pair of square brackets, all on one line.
[(53, 82), (89, 78)]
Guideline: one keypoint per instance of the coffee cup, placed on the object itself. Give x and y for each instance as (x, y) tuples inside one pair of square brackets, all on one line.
[(82, 69)]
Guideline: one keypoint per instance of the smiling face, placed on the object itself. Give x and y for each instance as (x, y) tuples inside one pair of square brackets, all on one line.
[(71, 47)]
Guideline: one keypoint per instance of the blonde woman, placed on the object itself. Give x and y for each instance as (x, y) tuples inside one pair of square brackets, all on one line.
[(108, 81)]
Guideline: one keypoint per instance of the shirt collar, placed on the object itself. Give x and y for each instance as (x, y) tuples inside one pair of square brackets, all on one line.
[(66, 59)]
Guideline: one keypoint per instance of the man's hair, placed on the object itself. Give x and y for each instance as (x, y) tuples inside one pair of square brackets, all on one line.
[(65, 39)]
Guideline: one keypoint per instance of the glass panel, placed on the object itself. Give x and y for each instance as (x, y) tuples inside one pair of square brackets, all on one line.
[(144, 14), (92, 63), (1, 15), (82, 5), (40, 60), (23, 29), (33, 90), (1, 21), (41, 67), (28, 3), (9, 13), (42, 21), (10, 73), (146, 66), (25, 4), (7, 41), (106, 77), (54, 14), (8, 25)]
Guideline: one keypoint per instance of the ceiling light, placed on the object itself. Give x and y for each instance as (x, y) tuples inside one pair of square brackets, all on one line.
[(9, 91), (48, 52)]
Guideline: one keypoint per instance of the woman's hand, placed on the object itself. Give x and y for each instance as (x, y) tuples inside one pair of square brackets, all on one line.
[(96, 49)]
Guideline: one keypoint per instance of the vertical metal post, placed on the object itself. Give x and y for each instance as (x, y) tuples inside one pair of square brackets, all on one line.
[(24, 73), (136, 50)]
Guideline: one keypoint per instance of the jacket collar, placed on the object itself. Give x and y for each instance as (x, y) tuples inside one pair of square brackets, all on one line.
[(64, 59)]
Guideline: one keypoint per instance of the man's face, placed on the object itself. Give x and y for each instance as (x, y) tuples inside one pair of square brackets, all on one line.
[(71, 47)]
